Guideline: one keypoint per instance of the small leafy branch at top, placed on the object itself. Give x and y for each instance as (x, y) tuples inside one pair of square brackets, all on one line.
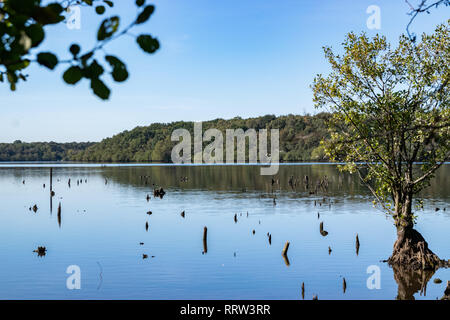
[(423, 6), (22, 24)]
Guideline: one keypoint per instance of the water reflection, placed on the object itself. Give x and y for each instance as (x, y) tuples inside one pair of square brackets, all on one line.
[(411, 282), (118, 198)]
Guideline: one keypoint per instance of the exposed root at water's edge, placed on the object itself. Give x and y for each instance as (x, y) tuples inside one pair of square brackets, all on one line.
[(411, 252), (413, 264)]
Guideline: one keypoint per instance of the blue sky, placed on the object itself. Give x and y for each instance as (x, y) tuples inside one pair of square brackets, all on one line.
[(218, 59)]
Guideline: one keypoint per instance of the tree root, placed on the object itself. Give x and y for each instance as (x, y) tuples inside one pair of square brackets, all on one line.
[(411, 252)]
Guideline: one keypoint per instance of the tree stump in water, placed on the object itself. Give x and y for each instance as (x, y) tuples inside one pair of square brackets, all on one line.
[(411, 252)]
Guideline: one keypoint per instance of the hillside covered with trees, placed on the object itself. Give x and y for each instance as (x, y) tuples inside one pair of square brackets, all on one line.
[(40, 151), (300, 137)]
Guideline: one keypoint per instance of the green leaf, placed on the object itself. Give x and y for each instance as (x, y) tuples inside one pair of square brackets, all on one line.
[(36, 33), (148, 43), (94, 71), (75, 49), (51, 14), (100, 9), (140, 3), (47, 59), (119, 72), (109, 3), (108, 28), (73, 75), (20, 65), (100, 89), (145, 14)]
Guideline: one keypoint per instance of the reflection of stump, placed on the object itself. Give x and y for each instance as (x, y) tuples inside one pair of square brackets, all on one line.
[(303, 290), (411, 281), (447, 292)]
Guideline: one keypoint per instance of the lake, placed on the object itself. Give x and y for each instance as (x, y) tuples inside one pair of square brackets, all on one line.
[(102, 231)]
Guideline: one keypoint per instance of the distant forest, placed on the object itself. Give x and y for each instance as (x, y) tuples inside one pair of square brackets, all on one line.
[(40, 151), (300, 137)]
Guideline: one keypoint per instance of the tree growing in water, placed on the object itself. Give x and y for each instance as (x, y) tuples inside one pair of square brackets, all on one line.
[(391, 124)]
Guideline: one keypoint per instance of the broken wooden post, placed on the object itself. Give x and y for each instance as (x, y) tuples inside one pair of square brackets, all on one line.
[(357, 244), (286, 248), (51, 179), (205, 238), (59, 214), (284, 253), (235, 218), (323, 232)]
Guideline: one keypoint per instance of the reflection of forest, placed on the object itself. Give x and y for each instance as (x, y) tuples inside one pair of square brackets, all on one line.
[(228, 178), (238, 178)]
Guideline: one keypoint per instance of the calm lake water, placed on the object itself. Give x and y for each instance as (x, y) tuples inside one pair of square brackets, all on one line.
[(103, 223)]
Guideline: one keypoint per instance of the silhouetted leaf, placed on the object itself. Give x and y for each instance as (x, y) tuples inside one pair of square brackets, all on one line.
[(73, 75), (108, 28), (100, 89), (148, 43), (100, 9), (75, 49), (119, 72), (36, 33), (47, 59), (94, 71), (145, 14)]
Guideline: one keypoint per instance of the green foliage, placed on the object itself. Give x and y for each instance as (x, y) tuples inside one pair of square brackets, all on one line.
[(390, 111), (40, 151), (22, 31), (299, 137)]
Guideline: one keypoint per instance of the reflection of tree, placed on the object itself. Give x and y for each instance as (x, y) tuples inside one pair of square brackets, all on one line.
[(410, 282)]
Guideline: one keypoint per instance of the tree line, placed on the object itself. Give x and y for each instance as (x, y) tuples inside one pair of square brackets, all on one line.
[(40, 151), (300, 137)]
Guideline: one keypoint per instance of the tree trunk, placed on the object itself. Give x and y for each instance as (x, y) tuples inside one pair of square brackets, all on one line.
[(410, 250)]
